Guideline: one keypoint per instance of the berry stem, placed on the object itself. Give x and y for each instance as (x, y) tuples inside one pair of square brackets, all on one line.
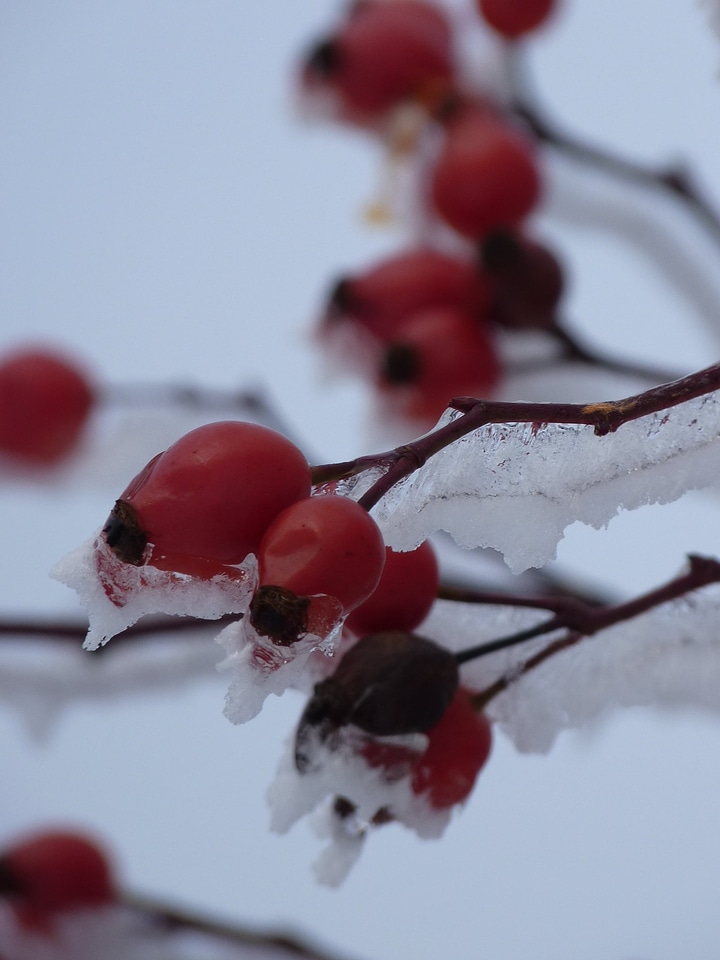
[(554, 604), (677, 180), (512, 640), (253, 403), (76, 632), (576, 352)]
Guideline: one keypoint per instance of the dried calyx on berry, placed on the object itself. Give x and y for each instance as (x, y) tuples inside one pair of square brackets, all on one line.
[(324, 59), (387, 684), (341, 300), (124, 535), (401, 363), (435, 355), (279, 614)]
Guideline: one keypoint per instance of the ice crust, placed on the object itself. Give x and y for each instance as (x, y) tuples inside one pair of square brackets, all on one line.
[(340, 772), (258, 668), (116, 595), (516, 487), (668, 657), (144, 590)]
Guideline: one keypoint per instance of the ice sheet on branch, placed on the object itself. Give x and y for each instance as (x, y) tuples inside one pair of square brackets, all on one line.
[(40, 680), (117, 934), (341, 772), (516, 487), (668, 657)]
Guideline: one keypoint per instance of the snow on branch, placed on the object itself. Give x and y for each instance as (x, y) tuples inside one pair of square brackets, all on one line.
[(513, 476), (667, 656)]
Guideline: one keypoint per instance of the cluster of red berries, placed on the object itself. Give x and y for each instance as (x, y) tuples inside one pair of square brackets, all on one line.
[(397, 683), (230, 489), (384, 54), (45, 403), (392, 662), (428, 315), (52, 873), (427, 321)]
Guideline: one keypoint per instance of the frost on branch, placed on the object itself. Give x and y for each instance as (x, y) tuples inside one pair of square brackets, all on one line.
[(515, 487), (668, 657), (41, 680)]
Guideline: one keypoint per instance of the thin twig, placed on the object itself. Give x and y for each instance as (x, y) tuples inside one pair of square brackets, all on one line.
[(252, 403), (675, 180), (458, 594), (76, 632), (174, 918), (580, 620), (576, 352)]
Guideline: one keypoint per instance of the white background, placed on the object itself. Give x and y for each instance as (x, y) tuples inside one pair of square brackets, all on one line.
[(165, 215)]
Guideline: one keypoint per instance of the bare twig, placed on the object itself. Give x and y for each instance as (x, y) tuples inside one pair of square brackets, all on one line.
[(252, 403), (76, 632), (675, 180), (576, 352), (174, 918)]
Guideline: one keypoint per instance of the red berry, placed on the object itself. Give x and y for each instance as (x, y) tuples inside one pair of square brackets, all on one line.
[(385, 53), (445, 772), (527, 278), (458, 748), (386, 684), (513, 18), (394, 759), (323, 545), (435, 356), (485, 176), (211, 495), (56, 871), (401, 601), (45, 401), (389, 292)]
